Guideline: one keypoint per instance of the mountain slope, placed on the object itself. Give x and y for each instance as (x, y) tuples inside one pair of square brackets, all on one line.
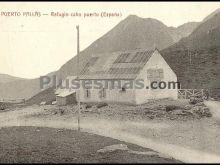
[(19, 89), (203, 45), (24, 88), (47, 95), (183, 30), (211, 15), (4, 78), (131, 33), (204, 36)]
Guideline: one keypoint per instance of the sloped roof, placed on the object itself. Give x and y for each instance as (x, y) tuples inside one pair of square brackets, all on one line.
[(117, 65), (58, 91), (66, 92)]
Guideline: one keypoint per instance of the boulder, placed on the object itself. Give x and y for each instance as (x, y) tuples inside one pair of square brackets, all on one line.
[(187, 107), (200, 104), (196, 109), (113, 148)]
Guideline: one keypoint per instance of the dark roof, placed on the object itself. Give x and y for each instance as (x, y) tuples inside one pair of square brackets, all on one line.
[(117, 65)]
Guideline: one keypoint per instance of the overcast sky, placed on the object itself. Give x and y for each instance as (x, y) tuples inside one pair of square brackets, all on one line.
[(34, 46)]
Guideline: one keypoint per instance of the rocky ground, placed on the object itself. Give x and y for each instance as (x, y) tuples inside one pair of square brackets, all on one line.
[(154, 109)]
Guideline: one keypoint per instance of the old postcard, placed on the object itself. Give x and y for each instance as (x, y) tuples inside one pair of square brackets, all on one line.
[(109, 82)]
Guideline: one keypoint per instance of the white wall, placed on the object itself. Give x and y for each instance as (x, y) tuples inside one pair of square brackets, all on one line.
[(138, 96), (156, 62), (112, 95)]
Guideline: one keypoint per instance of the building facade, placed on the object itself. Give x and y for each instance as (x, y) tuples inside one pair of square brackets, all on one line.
[(132, 72), (66, 98)]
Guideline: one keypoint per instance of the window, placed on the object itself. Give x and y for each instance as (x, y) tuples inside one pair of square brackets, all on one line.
[(87, 93), (155, 74), (161, 74), (123, 89), (102, 93), (149, 73)]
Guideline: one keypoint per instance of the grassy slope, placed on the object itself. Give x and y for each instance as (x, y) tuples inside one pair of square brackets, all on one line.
[(203, 72), (47, 95), (204, 47), (48, 145)]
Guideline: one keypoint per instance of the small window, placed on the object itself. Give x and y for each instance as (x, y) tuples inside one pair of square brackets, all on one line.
[(161, 74), (155, 74), (102, 93), (123, 89), (149, 73), (87, 93)]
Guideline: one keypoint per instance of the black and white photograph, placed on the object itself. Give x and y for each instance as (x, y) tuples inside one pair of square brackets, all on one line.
[(109, 82)]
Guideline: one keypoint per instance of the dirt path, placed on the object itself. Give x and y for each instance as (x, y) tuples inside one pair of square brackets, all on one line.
[(191, 142)]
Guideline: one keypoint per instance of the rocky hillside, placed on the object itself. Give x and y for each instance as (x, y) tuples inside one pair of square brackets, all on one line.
[(203, 46)]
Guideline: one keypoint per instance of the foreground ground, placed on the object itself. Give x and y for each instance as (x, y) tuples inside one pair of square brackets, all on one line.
[(190, 139), (49, 145)]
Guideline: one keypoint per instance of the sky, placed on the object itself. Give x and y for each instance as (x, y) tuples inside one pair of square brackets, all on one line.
[(32, 45)]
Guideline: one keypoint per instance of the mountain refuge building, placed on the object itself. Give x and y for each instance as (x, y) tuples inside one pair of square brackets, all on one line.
[(138, 75), (131, 77)]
